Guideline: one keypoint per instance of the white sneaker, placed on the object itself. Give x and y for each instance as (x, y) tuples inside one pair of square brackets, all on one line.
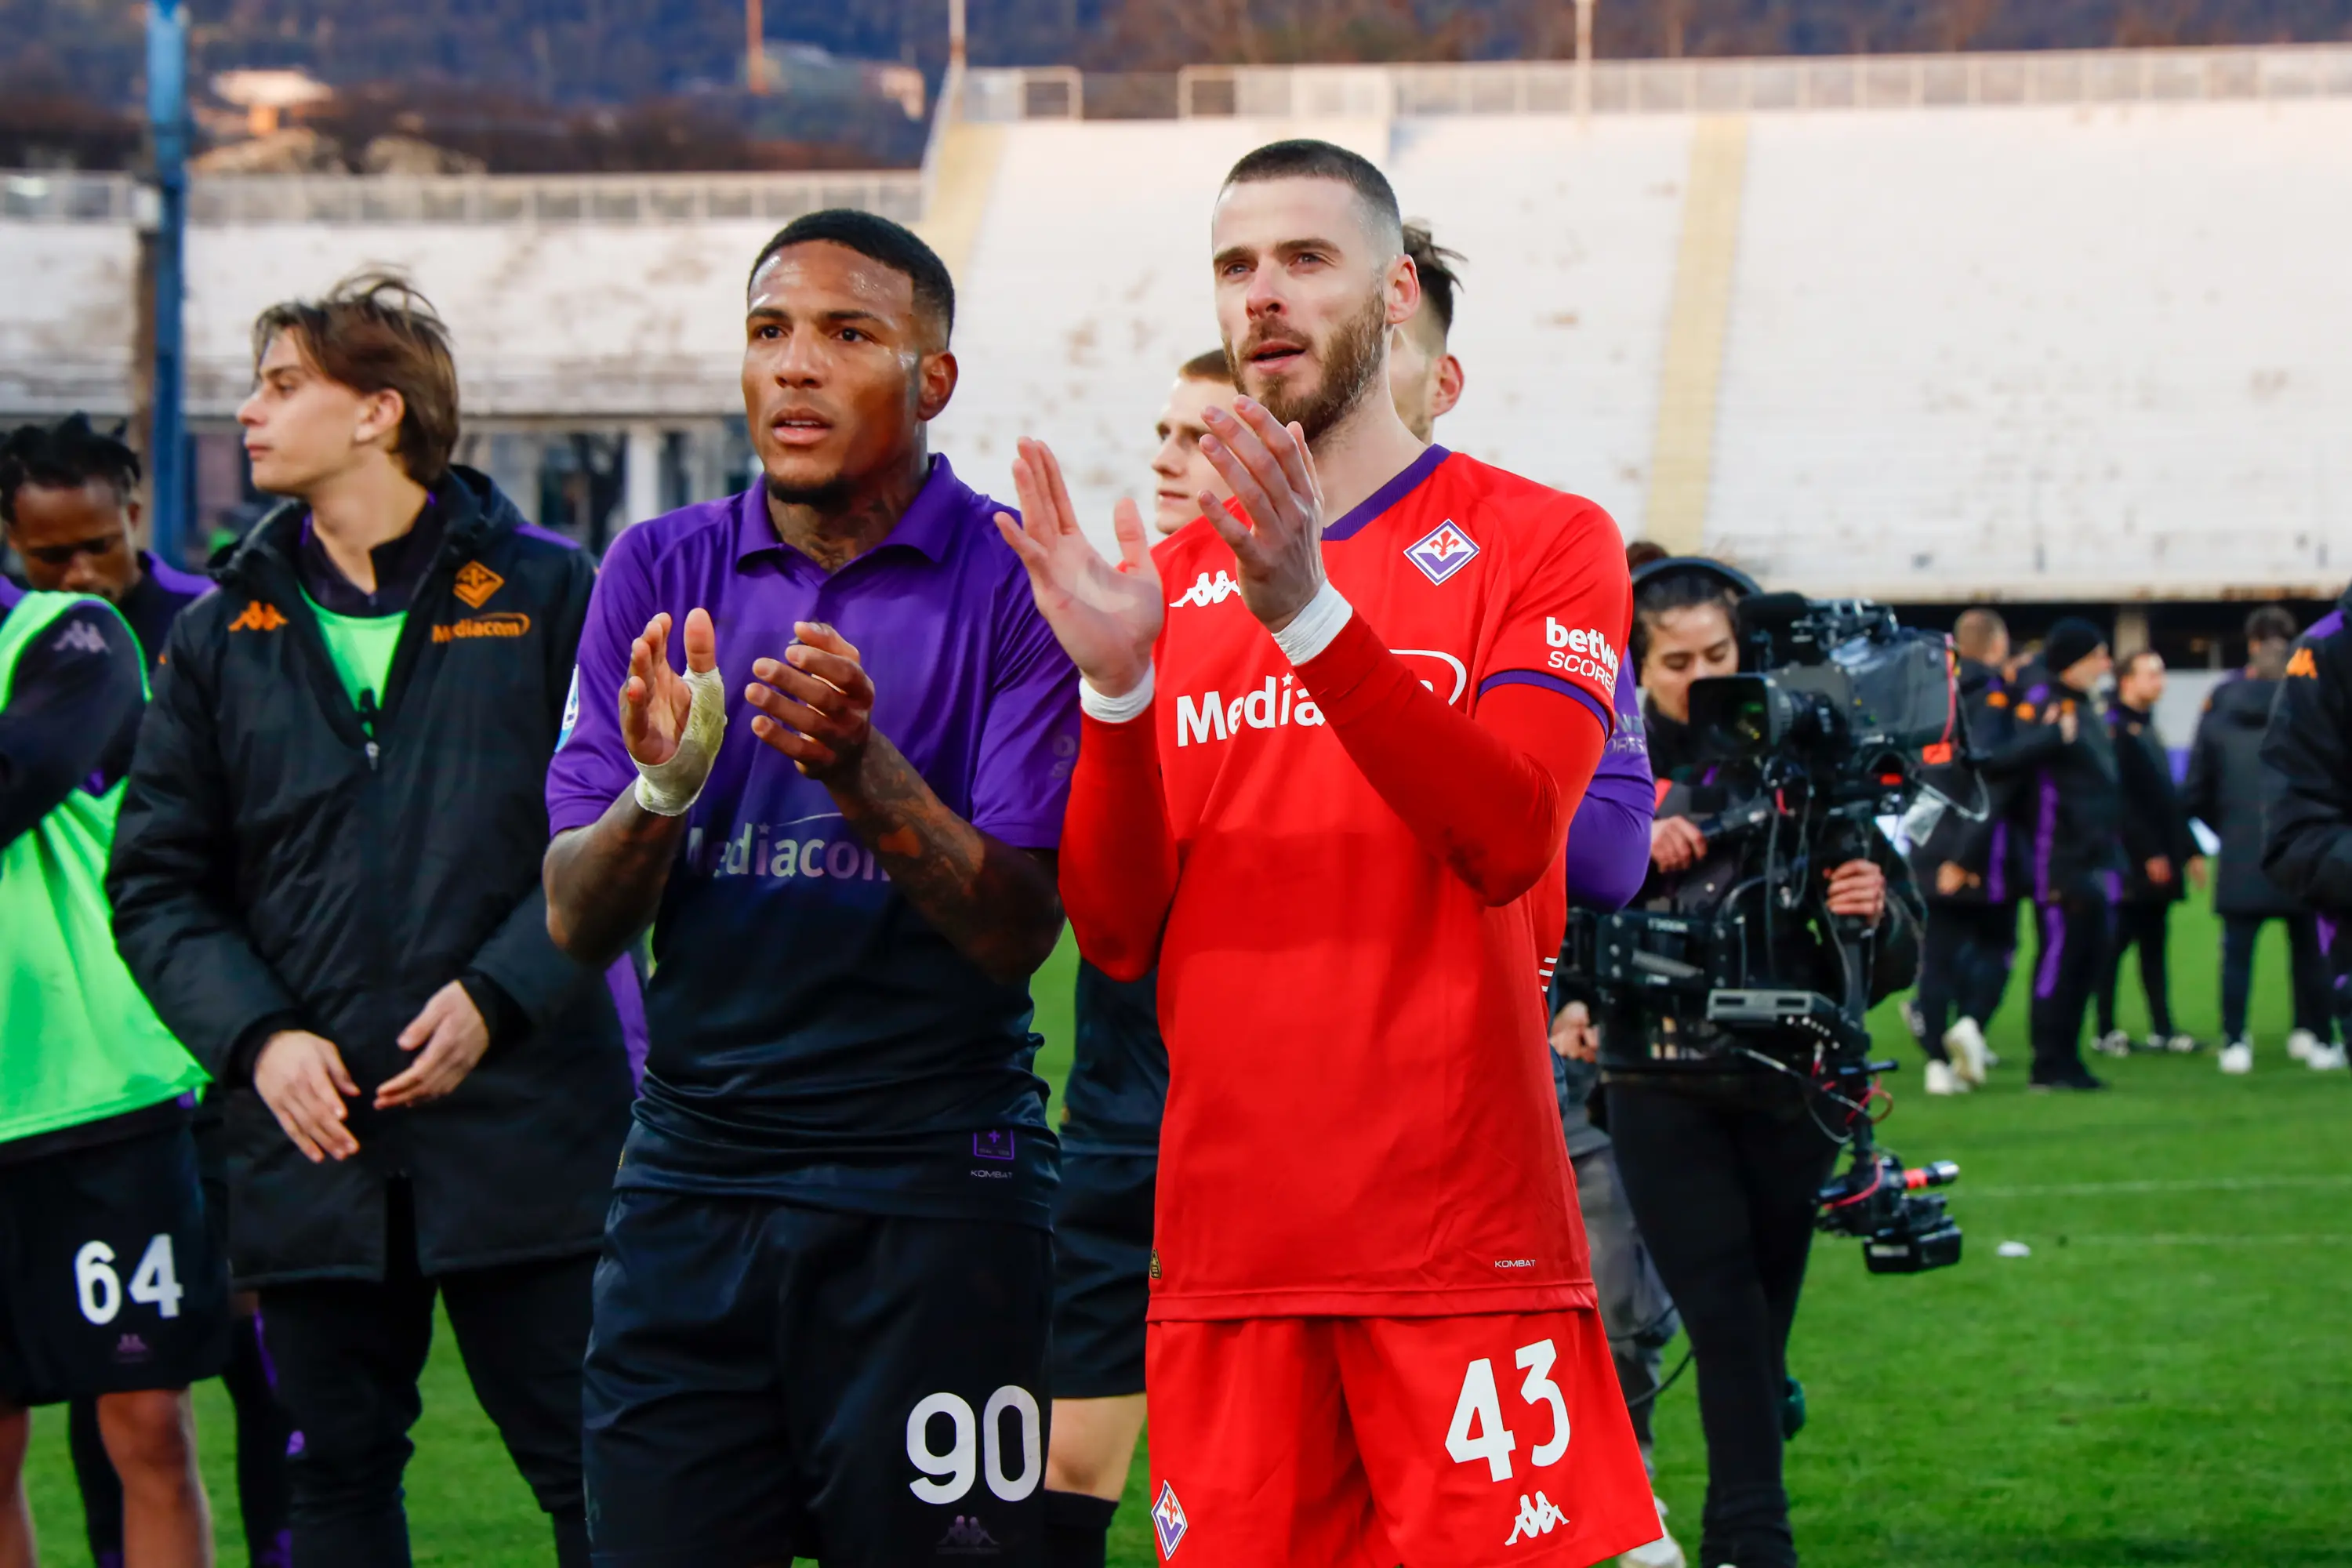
[(2181, 1045), (1967, 1043), (1663, 1552), (1942, 1079), (2238, 1057), (2301, 1042), (2114, 1043), (2326, 1058)]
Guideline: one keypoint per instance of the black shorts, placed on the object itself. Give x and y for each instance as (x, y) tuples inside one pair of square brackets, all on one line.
[(767, 1381), (1102, 1268), (113, 1279)]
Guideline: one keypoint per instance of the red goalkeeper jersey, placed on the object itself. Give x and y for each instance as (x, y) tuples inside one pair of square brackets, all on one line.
[(1360, 1113)]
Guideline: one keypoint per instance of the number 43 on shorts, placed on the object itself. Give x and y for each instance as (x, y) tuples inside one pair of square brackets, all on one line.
[(1478, 1433)]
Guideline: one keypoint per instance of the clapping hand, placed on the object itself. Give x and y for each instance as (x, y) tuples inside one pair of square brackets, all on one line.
[(1280, 549), (1107, 616)]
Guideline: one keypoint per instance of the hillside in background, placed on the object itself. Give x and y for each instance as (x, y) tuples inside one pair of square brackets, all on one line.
[(624, 84)]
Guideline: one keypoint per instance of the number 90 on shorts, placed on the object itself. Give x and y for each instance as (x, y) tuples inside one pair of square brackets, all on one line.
[(1004, 1445)]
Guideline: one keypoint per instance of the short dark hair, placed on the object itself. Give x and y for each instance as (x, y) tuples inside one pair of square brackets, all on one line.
[(65, 455), (1306, 159), (1438, 279), (894, 245), (1212, 365), (372, 333), (2271, 623)]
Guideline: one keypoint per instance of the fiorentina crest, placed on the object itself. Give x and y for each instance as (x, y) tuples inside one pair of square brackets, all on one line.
[(1168, 1519), (1443, 552)]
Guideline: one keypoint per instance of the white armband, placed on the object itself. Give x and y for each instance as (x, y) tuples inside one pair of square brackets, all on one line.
[(1115, 710), (668, 789), (1311, 631)]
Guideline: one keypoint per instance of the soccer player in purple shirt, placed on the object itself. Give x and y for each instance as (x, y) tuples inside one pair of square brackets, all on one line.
[(822, 1311)]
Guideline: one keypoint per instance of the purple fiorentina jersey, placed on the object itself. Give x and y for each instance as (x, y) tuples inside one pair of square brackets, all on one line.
[(812, 1036)]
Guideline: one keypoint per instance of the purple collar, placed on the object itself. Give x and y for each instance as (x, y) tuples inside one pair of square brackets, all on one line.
[(1388, 495), (928, 525), (9, 595)]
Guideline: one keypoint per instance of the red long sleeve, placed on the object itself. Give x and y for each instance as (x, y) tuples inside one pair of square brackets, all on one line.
[(1118, 854), (1491, 796)]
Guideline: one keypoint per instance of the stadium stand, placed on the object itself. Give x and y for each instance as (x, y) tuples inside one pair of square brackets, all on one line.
[(2050, 327)]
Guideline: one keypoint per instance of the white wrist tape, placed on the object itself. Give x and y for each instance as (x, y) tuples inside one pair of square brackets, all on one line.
[(666, 789), (1311, 631), (1115, 710)]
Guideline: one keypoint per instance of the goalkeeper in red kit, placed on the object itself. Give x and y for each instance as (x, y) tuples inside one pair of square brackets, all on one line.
[(1333, 735)]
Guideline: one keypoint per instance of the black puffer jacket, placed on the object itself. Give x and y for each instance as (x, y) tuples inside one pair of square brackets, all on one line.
[(2065, 820), (277, 866), (2223, 789)]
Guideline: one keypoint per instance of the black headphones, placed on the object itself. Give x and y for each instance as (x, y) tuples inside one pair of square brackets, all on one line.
[(1735, 581)]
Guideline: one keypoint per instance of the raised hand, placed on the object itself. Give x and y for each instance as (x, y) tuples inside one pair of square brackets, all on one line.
[(1271, 473), (816, 703), (655, 699), (1107, 616)]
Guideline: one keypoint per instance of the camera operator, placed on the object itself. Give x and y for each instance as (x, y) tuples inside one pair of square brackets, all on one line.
[(1722, 1149)]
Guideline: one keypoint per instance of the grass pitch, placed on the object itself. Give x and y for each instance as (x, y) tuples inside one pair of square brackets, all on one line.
[(2166, 1380)]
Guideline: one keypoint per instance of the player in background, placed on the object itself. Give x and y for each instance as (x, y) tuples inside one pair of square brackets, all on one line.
[(326, 880), (1352, 882), (1110, 1133), (822, 1308), (69, 497), (112, 1284), (2306, 779)]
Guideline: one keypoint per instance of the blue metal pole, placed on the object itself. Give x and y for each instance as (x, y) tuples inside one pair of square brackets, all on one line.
[(167, 119)]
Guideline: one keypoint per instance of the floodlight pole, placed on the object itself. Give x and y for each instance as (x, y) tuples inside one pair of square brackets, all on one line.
[(167, 123), (1583, 59), (755, 48), (955, 35)]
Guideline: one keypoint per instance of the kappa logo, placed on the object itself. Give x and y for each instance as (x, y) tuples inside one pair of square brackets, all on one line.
[(966, 1537), (80, 637), (131, 1349), (475, 584), (257, 616), (1207, 591), (1441, 552), (497, 624), (1537, 1517), (2303, 667), (1168, 1520)]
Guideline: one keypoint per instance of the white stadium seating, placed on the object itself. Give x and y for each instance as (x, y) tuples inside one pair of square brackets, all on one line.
[(2057, 328)]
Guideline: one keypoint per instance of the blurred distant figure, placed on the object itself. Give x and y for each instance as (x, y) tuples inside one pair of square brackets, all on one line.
[(2157, 852), (2306, 777), (1964, 865), (2224, 789), (2070, 809)]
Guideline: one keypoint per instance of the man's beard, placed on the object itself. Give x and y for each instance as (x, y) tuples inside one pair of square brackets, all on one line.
[(1351, 368), (827, 498)]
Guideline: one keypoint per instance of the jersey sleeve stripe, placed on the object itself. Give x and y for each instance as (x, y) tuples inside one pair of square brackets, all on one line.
[(1537, 678)]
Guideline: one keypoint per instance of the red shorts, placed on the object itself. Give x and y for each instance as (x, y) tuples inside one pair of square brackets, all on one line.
[(1364, 1442)]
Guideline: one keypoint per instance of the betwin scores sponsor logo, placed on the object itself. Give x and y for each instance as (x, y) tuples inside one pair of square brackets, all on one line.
[(499, 624), (1580, 651), (1215, 716)]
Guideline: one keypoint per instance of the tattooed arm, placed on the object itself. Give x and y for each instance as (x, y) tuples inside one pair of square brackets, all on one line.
[(995, 903)]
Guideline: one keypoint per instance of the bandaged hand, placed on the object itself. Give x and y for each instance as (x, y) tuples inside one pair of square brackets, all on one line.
[(672, 723)]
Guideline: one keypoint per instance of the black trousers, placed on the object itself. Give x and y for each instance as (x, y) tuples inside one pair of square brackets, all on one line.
[(1964, 960), (1723, 1189), (2313, 986), (2142, 924), (349, 1352), (2066, 970)]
